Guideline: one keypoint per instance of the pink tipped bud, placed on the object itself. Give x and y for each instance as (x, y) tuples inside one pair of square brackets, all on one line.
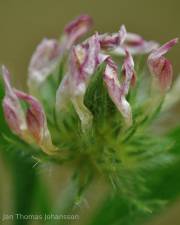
[(115, 91), (92, 55), (35, 115), (36, 122), (30, 125), (44, 61), (75, 29), (160, 67)]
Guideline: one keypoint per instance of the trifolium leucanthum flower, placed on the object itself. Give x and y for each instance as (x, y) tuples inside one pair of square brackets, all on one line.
[(90, 101)]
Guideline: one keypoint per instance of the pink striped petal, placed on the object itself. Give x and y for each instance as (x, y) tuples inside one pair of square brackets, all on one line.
[(49, 52), (75, 29), (163, 49), (82, 64), (43, 62), (92, 62), (115, 91), (128, 73), (108, 41), (135, 44), (82, 72), (13, 112)]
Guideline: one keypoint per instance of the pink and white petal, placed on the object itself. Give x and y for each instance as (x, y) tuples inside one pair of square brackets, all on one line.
[(73, 83), (83, 62), (163, 49), (128, 73), (13, 111), (43, 62), (83, 112), (92, 55), (144, 48), (134, 39), (63, 94), (111, 41), (76, 73), (126, 111), (66, 92), (75, 29), (122, 34), (82, 65), (11, 117), (115, 91)]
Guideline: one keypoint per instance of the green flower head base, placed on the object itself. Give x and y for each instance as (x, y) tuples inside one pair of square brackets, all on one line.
[(88, 97)]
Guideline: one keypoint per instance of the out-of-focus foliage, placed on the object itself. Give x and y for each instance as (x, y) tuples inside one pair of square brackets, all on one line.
[(163, 184)]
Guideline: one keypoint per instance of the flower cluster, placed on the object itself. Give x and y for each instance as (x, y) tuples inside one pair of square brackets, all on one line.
[(99, 54)]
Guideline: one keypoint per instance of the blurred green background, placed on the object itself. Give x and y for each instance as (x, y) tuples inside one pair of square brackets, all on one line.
[(23, 24)]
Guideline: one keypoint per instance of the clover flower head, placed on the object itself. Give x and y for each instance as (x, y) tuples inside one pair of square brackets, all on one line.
[(90, 100)]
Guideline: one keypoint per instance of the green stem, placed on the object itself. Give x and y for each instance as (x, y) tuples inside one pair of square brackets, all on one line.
[(65, 203)]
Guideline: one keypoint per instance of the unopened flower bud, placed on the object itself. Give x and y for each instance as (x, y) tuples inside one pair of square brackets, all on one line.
[(36, 121), (30, 124), (160, 67)]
